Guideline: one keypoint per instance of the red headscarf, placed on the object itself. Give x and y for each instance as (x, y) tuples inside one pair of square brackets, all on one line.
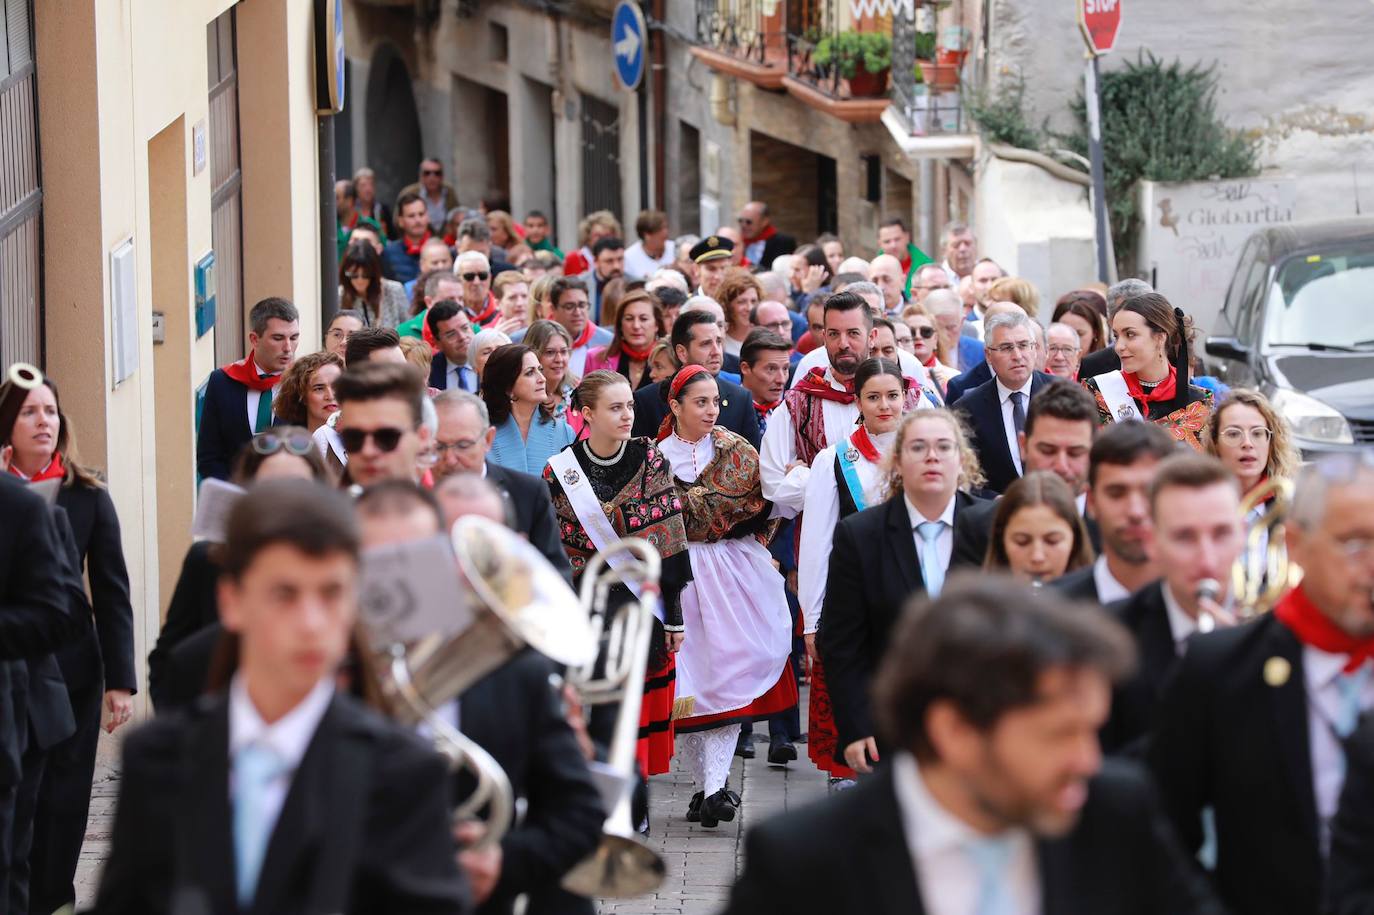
[(684, 375)]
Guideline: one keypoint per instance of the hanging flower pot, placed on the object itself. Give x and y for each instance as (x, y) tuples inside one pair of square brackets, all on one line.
[(939, 77)]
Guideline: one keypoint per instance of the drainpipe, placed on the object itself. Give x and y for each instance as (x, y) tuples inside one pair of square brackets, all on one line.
[(660, 70)]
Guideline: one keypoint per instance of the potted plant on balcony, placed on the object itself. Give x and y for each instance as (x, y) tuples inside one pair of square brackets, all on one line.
[(941, 61), (862, 58)]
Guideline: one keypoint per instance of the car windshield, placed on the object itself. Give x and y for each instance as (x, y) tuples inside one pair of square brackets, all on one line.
[(1323, 300)]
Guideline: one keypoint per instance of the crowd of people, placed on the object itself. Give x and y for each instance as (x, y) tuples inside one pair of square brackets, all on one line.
[(994, 543)]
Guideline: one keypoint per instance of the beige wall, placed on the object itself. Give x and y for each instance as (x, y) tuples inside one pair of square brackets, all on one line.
[(121, 87)]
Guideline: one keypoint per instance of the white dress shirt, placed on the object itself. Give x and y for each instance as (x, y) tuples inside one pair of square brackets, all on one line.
[(1321, 674), (944, 544), (640, 264), (778, 449), (819, 358), (938, 843), (1008, 422), (459, 377), (254, 397), (1108, 588), (288, 736)]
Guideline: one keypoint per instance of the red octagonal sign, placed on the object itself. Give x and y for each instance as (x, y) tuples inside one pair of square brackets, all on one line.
[(1100, 21)]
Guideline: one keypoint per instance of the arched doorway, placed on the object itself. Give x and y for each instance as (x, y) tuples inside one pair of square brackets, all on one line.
[(393, 124)]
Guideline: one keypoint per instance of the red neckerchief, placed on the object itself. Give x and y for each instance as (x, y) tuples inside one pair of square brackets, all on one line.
[(814, 383), (490, 314), (54, 470), (1264, 478), (1164, 391), (906, 264), (352, 223), (635, 355), (414, 249), (765, 410), (766, 234), (1302, 617), (246, 373), (428, 335), (585, 337), (930, 364), (865, 444)]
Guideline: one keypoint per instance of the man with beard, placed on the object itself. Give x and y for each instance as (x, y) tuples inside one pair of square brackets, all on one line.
[(997, 799)]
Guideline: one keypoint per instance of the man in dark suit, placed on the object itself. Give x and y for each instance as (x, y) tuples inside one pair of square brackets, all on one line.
[(235, 804), (876, 564), (513, 714), (697, 340), (993, 797), (451, 326), (1102, 361), (1251, 722), (465, 437), (38, 593), (1121, 467), (1099, 362), (996, 409), (1351, 884), (238, 397), (1197, 535), (762, 240)]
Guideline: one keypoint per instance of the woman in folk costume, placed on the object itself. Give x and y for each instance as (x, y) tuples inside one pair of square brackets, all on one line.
[(609, 486), (847, 478), (734, 660), (1152, 384)]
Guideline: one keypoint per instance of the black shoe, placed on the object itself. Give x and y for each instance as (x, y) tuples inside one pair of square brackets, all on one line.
[(694, 807), (780, 754), (744, 748), (719, 806)]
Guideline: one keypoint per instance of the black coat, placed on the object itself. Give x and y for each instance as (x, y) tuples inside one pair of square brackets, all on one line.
[(194, 606), (736, 411), (172, 847), (1078, 585), (107, 639), (1351, 885), (779, 244), (1225, 738), (874, 571), (1135, 702), (983, 411), (224, 425), (534, 514), (1099, 362), (514, 714), (960, 385), (1120, 859)]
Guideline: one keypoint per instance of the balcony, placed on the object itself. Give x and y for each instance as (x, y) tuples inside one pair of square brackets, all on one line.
[(744, 38)]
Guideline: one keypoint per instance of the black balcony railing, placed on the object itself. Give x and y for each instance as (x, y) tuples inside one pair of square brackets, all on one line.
[(928, 68), (752, 30)]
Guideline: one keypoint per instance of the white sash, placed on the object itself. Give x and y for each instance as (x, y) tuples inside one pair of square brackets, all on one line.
[(1119, 401), (589, 511)]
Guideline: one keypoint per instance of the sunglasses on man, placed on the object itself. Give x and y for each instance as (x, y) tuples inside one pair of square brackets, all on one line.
[(474, 277), (386, 438)]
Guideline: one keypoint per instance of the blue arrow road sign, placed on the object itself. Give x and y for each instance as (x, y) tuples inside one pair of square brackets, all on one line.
[(628, 40)]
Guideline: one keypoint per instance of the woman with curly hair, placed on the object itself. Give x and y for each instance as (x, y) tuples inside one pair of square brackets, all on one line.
[(306, 395)]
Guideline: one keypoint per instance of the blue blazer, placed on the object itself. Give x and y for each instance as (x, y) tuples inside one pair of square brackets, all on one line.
[(962, 384), (547, 438), (224, 427), (397, 264), (983, 411), (970, 353), (438, 374)]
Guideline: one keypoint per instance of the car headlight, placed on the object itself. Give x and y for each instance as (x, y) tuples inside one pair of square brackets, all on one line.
[(1313, 420)]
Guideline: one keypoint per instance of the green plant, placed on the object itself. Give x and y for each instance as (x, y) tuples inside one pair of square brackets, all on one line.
[(1159, 123), (847, 49), (925, 45), (1001, 118)]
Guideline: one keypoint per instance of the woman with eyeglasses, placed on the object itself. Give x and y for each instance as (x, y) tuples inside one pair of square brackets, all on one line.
[(925, 343), (638, 324), (608, 486), (738, 630), (306, 395), (846, 478), (340, 326), (527, 431), (552, 343), (1037, 533), (362, 288), (1153, 381), (98, 666)]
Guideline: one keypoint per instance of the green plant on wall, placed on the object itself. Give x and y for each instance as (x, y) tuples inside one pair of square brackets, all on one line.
[(1001, 116), (925, 45), (1159, 123), (848, 49)]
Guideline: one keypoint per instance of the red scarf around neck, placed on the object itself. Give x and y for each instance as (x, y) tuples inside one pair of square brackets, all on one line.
[(766, 234), (930, 363), (245, 372), (635, 355), (54, 471), (815, 384), (489, 314), (585, 337), (1164, 391), (765, 410), (1312, 627), (413, 248), (865, 444)]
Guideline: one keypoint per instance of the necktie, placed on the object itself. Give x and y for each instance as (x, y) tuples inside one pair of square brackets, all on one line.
[(264, 418), (931, 568), (1351, 687), (992, 857), (1018, 411), (256, 766)]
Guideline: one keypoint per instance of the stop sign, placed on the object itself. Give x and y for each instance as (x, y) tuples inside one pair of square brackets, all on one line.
[(1100, 21)]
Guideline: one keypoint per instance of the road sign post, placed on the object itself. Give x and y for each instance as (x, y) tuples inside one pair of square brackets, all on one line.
[(1100, 22), (629, 42)]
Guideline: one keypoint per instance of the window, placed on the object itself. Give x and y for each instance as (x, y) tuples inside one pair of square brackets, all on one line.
[(226, 195), (21, 194)]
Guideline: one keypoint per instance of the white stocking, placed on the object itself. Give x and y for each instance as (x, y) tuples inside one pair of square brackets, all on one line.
[(693, 746), (718, 749)]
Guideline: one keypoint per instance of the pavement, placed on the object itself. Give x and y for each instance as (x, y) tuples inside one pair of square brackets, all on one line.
[(702, 863)]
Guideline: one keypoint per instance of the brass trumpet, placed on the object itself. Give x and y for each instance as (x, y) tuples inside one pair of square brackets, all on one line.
[(1263, 572), (622, 864)]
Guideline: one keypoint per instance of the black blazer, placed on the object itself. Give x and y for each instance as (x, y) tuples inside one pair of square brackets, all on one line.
[(42, 697), (983, 412), (224, 425), (874, 570), (534, 514), (107, 645), (736, 411), (514, 714), (1078, 585), (960, 385), (1099, 362), (1350, 888), (194, 606), (781, 243), (1120, 859), (1135, 702), (1226, 738), (38, 588), (173, 850)]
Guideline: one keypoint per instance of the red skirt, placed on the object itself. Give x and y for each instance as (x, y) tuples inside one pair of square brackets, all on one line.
[(822, 735), (781, 695), (655, 746)]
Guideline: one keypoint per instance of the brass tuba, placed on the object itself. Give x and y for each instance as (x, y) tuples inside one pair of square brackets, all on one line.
[(1263, 572), (622, 865)]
